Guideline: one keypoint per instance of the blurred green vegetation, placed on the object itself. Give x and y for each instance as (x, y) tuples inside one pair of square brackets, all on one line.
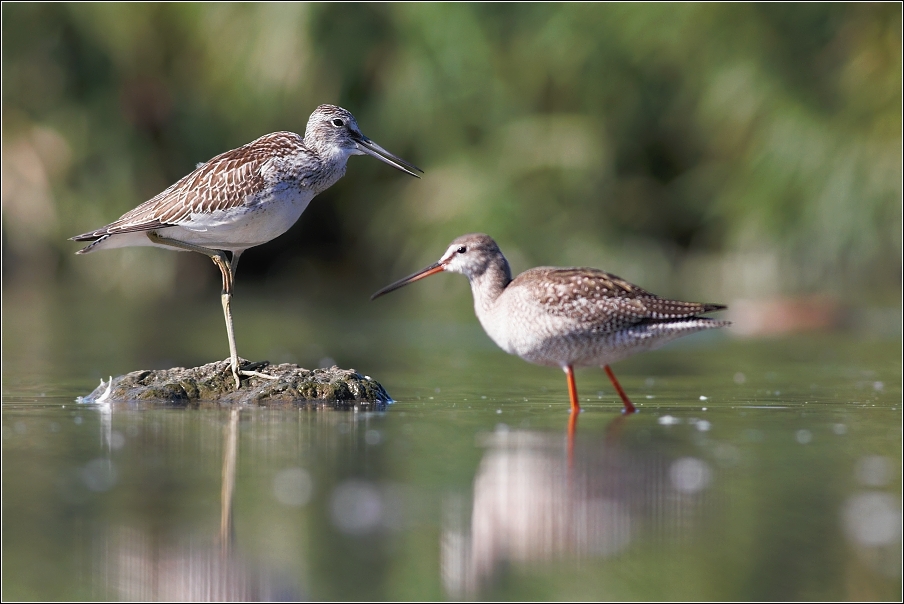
[(707, 151)]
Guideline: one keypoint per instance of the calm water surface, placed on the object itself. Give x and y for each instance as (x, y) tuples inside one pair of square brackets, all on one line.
[(756, 470)]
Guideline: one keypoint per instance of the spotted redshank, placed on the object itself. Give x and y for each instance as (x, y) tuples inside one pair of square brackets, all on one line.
[(564, 317), (245, 197)]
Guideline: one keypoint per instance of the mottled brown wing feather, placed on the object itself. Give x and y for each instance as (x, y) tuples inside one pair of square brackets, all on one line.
[(224, 182), (597, 298)]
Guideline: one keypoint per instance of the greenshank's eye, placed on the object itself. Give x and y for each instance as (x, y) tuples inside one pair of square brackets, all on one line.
[(462, 250), (338, 122)]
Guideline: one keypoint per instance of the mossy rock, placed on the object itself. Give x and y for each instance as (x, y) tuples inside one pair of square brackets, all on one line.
[(213, 385)]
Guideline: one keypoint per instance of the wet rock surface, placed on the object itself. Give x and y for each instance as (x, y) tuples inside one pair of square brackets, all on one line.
[(213, 385)]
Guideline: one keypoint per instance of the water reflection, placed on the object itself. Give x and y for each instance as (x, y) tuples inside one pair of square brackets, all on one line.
[(539, 496), (142, 565), (677, 502), (136, 565), (871, 519)]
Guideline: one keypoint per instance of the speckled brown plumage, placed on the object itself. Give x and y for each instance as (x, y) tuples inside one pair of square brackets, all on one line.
[(222, 183), (600, 299), (245, 197), (564, 317), (249, 195)]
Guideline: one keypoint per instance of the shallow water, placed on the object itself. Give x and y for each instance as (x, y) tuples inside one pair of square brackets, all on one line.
[(755, 470)]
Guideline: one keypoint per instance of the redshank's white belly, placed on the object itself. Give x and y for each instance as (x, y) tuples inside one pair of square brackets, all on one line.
[(546, 339)]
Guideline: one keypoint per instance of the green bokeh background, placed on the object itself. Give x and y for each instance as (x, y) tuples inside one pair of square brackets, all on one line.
[(747, 154), (718, 152)]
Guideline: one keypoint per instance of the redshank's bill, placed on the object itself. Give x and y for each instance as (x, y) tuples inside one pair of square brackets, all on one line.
[(245, 197), (564, 317)]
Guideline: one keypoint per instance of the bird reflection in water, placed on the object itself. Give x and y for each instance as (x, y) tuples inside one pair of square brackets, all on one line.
[(136, 564), (535, 501)]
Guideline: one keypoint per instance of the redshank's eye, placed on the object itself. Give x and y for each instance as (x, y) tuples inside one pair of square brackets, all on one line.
[(462, 250), (338, 122)]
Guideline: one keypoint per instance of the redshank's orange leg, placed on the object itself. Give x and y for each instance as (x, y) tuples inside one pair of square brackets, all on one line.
[(572, 388), (572, 430), (629, 407)]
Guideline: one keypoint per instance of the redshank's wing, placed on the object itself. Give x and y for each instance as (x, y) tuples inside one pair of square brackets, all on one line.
[(224, 182), (599, 299)]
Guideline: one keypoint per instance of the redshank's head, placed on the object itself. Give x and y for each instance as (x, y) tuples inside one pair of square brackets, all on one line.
[(470, 255), (332, 130)]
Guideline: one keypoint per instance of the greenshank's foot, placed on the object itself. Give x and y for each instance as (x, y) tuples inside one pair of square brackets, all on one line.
[(248, 370)]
